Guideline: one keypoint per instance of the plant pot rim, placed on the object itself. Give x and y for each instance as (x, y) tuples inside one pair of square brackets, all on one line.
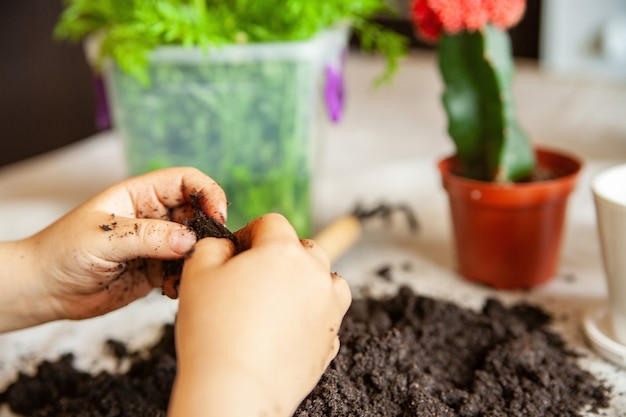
[(574, 165), (513, 194), (310, 49)]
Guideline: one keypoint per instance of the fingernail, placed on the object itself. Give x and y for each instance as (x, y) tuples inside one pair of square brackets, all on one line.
[(223, 211), (220, 214), (182, 240)]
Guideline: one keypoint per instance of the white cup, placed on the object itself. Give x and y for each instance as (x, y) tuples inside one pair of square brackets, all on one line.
[(609, 192)]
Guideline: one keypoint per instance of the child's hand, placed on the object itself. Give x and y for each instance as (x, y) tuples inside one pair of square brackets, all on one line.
[(256, 331), (106, 253)]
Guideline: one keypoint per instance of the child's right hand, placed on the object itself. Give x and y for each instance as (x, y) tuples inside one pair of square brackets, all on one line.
[(255, 331)]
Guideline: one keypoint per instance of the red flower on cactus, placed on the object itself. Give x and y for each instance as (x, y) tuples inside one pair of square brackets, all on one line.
[(432, 17)]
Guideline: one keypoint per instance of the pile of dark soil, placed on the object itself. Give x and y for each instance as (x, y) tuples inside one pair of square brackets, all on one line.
[(405, 356), (417, 356)]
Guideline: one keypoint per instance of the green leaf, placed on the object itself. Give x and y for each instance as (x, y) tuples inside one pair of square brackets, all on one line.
[(131, 28)]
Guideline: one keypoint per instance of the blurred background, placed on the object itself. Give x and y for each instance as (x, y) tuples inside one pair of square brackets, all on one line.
[(47, 93)]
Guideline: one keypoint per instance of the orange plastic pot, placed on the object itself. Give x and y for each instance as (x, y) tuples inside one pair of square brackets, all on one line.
[(508, 236)]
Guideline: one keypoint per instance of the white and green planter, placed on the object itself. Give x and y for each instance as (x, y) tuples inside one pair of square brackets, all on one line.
[(246, 115)]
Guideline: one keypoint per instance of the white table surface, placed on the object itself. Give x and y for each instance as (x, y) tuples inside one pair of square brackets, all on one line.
[(384, 150)]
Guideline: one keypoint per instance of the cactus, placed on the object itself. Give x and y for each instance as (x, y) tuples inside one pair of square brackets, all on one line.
[(477, 70)]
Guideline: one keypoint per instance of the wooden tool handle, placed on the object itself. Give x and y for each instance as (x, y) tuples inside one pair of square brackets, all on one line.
[(339, 236)]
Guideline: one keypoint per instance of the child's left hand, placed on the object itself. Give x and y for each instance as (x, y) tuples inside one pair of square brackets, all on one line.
[(107, 252)]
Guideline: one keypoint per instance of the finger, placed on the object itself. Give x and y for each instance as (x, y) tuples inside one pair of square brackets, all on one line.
[(272, 227), (175, 187), (181, 213), (332, 352), (339, 236), (208, 253), (154, 270), (316, 251), (126, 239), (335, 348), (342, 292)]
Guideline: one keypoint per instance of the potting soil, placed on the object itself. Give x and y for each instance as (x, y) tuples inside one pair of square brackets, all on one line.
[(408, 355)]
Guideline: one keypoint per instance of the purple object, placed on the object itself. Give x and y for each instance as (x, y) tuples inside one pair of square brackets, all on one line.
[(103, 116), (334, 93)]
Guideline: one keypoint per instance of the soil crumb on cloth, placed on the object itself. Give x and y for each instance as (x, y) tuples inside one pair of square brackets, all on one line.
[(408, 355)]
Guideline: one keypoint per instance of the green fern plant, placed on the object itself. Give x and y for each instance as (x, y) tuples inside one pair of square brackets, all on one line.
[(130, 29)]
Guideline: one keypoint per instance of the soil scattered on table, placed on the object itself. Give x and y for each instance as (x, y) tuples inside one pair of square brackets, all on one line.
[(386, 211), (405, 356)]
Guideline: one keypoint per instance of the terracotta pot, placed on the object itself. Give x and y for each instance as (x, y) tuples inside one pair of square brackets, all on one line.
[(508, 236)]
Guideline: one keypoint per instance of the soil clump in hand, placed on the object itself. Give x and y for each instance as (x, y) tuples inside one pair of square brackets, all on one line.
[(203, 226), (207, 226), (408, 355)]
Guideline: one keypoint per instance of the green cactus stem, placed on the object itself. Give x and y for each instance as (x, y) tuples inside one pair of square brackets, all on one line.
[(477, 69)]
